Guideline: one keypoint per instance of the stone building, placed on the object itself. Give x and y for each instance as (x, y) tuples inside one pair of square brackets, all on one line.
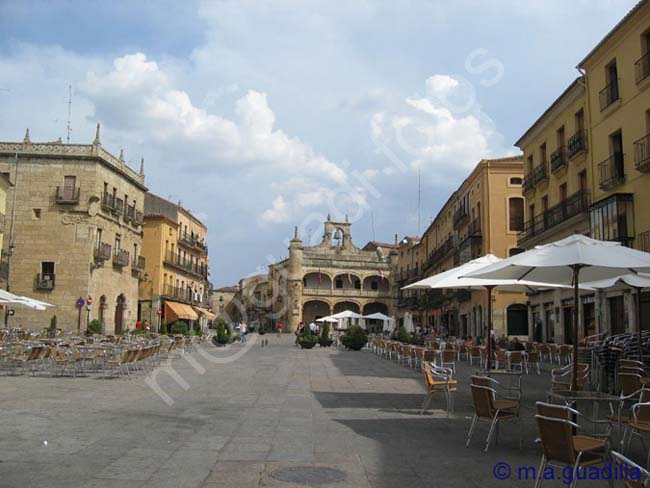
[(5, 185), (588, 172), (177, 285), (335, 275), (224, 303), (482, 216), (252, 302), (77, 232)]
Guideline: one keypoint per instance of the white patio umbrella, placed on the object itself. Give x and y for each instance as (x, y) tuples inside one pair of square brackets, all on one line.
[(10, 300), (456, 278), (408, 322), (637, 282), (345, 316), (566, 262), (327, 319), (380, 316)]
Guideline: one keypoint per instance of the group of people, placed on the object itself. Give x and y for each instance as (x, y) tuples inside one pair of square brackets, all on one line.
[(313, 329)]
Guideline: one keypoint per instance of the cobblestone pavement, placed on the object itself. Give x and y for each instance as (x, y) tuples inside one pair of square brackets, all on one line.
[(242, 423)]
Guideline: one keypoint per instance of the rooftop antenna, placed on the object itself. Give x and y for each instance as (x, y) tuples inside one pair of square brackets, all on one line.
[(372, 220), (69, 127), (419, 201)]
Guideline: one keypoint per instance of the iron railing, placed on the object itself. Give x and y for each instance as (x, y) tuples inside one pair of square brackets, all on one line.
[(129, 213), (574, 205), (577, 143), (612, 171), (102, 251), (642, 67), (45, 281), (138, 263), (121, 257), (608, 95), (527, 183), (642, 154), (558, 159), (460, 216), (643, 240), (540, 173), (108, 201), (67, 194)]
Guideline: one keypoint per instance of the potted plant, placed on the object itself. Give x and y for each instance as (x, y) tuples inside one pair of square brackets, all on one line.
[(51, 331), (403, 335), (325, 340), (307, 340), (354, 338), (223, 333), (95, 327)]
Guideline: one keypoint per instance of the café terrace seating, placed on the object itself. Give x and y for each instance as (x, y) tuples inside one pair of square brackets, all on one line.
[(28, 352)]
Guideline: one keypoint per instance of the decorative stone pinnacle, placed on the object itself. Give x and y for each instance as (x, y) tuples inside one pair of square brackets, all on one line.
[(295, 232), (122, 155), (346, 217), (96, 141), (329, 217), (26, 140), (142, 167)]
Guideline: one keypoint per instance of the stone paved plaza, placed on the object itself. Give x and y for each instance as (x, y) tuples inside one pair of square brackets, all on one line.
[(242, 421)]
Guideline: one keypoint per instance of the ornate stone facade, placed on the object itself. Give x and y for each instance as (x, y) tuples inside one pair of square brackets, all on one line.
[(330, 277), (77, 232)]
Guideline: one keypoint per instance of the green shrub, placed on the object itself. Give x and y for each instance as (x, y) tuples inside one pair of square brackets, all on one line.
[(95, 326), (403, 335), (178, 327), (354, 338), (223, 332), (325, 340), (140, 331), (307, 340)]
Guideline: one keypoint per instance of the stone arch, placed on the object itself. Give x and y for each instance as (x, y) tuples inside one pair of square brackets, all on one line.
[(374, 307), (311, 280), (375, 282), (120, 306), (315, 309), (347, 281), (347, 305)]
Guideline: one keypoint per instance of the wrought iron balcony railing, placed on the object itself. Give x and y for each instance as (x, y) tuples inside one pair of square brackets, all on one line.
[(642, 67), (45, 281), (540, 173), (102, 251), (67, 194), (138, 263), (608, 95), (121, 257), (575, 204), (460, 216), (558, 159), (108, 201), (577, 143), (642, 154), (612, 171)]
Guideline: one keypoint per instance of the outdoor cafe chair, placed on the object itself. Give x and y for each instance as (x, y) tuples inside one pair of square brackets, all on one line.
[(629, 466), (438, 380), (474, 355), (544, 350), (488, 409), (639, 424), (501, 359), (565, 353), (533, 360), (561, 447), (561, 378), (447, 359), (517, 360)]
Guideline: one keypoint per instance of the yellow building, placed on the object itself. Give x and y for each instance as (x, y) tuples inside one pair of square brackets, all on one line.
[(482, 216), (587, 164), (176, 285)]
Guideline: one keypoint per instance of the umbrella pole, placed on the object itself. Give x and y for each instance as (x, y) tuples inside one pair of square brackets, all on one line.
[(489, 334), (576, 297), (638, 321)]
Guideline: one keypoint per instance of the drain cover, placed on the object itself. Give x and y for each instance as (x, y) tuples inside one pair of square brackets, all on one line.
[(309, 475)]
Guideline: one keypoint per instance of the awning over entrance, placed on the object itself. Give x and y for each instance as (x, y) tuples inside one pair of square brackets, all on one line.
[(179, 311), (203, 311)]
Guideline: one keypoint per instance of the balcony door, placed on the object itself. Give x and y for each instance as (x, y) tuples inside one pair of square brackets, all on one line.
[(69, 186), (616, 144), (612, 80)]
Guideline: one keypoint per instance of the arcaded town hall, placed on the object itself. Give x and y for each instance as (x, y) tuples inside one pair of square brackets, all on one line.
[(333, 276)]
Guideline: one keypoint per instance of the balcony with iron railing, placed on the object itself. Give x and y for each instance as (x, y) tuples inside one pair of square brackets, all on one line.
[(191, 240), (558, 159), (528, 183), (102, 251), (138, 263), (461, 215), (186, 265), (576, 204), (612, 171), (139, 218), (45, 281), (577, 143), (67, 194), (108, 201), (129, 213), (185, 295), (119, 206), (608, 95), (642, 154), (121, 258), (643, 241), (540, 173), (642, 67), (440, 253), (474, 228)]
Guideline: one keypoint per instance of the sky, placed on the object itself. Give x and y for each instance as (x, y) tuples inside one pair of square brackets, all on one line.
[(259, 115)]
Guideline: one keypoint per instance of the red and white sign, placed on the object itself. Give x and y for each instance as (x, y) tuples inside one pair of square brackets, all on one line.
[(159, 312), (90, 300)]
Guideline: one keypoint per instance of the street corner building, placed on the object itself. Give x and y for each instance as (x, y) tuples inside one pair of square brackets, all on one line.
[(587, 171), (482, 216), (321, 280), (176, 282), (76, 232)]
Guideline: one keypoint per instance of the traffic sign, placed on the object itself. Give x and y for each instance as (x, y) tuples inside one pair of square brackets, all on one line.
[(80, 302), (159, 312), (89, 301)]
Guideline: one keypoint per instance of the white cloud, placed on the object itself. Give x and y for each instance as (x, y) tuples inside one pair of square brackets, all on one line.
[(278, 213)]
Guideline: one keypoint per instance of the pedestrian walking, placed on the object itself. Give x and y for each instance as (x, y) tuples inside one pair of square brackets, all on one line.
[(278, 329), (242, 333)]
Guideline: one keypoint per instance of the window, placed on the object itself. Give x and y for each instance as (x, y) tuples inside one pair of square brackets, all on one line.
[(544, 203), (516, 214), (374, 285), (69, 187), (529, 165), (609, 94), (118, 243), (99, 237), (582, 180), (515, 181), (37, 213), (47, 270), (559, 137), (339, 283), (542, 153), (563, 192), (579, 120), (517, 316), (612, 219)]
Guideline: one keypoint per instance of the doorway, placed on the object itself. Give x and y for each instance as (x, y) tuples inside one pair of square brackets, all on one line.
[(119, 314), (617, 315), (589, 319)]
